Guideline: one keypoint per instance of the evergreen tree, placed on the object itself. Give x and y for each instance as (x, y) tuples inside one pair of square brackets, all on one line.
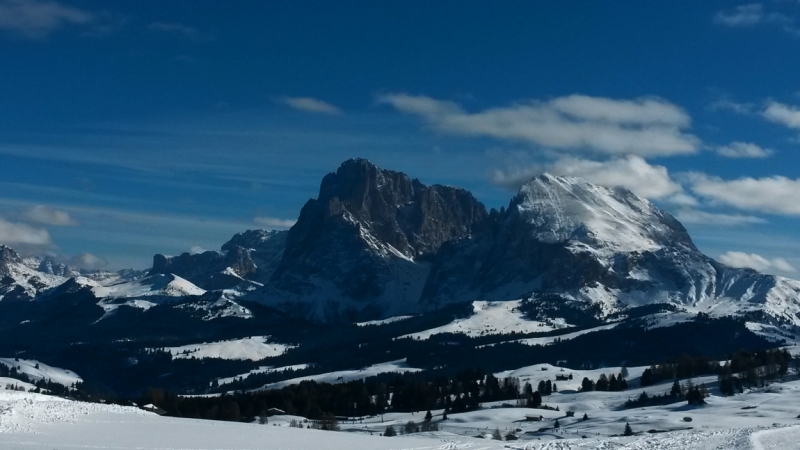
[(556, 425), (390, 431), (628, 430), (587, 385), (428, 416), (585, 416), (676, 389), (602, 383)]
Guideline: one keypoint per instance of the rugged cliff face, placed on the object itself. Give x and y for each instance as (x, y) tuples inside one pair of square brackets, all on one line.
[(251, 255), (365, 241)]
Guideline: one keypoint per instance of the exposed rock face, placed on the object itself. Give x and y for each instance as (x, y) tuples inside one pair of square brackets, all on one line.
[(368, 235), (252, 255)]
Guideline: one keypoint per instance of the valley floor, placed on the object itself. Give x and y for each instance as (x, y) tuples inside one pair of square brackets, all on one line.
[(765, 418)]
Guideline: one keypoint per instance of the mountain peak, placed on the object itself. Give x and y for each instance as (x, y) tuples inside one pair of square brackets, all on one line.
[(572, 209)]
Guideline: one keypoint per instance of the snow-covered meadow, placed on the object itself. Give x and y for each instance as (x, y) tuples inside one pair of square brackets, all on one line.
[(761, 418)]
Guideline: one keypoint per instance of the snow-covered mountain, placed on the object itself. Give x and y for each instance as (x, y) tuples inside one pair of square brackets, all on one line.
[(605, 248), (376, 243), (24, 279)]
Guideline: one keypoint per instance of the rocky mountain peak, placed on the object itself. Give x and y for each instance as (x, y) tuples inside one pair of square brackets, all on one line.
[(8, 255), (370, 227), (413, 218)]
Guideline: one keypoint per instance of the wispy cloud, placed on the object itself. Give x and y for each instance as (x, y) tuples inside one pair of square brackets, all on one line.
[(643, 126), (631, 172), (273, 222), (743, 150), (48, 216), (754, 14), (13, 233), (35, 19), (755, 261), (196, 249), (696, 217), (177, 29), (87, 261), (775, 195), (312, 105), (726, 104)]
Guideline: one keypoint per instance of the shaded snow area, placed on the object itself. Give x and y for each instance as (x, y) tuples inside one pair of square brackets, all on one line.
[(29, 367), (493, 318), (262, 369), (344, 376), (383, 321), (254, 348)]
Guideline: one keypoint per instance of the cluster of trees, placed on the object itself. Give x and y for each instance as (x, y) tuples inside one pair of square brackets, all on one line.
[(693, 394), (749, 365), (605, 383), (413, 427), (407, 392)]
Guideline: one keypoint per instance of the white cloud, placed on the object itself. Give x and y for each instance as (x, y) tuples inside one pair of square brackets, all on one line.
[(695, 217), (19, 233), (176, 28), (783, 114), (631, 172), (273, 222), (309, 104), (754, 14), (196, 249), (87, 261), (754, 261), (37, 19), (743, 150), (776, 195), (643, 126), (48, 216)]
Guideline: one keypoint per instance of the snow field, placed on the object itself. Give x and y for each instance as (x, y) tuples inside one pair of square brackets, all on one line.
[(254, 348), (492, 318), (344, 376)]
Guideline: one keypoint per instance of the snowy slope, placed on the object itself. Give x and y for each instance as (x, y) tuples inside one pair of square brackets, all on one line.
[(43, 372), (493, 318), (260, 370), (253, 348), (590, 216), (344, 376), (38, 422), (166, 285)]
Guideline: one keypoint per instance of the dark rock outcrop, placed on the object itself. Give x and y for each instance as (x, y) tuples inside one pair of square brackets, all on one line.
[(368, 237)]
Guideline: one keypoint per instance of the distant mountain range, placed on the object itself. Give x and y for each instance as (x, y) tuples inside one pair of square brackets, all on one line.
[(376, 244)]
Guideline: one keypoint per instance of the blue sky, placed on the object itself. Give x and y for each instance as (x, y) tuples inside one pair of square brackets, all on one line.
[(134, 128)]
